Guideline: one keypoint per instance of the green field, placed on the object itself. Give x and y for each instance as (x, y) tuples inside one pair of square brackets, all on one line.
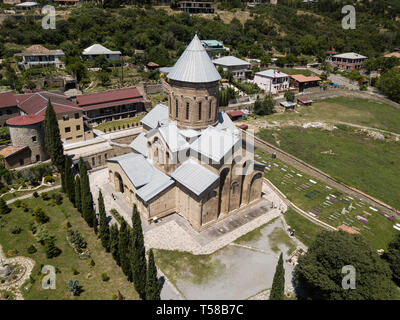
[(362, 162), (341, 109), (312, 197), (110, 125), (291, 71), (89, 277)]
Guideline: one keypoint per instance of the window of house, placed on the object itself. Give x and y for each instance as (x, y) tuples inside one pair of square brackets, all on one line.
[(37, 157), (78, 137), (176, 108), (34, 139), (93, 161), (78, 127), (105, 156), (21, 162), (187, 110), (199, 110), (65, 117), (76, 115), (68, 129), (70, 138)]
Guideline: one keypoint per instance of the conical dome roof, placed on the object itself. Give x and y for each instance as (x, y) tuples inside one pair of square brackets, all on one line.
[(194, 65)]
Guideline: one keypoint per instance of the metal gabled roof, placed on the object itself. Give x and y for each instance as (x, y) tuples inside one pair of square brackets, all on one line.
[(158, 114), (194, 65), (173, 138), (194, 176), (139, 144), (230, 61)]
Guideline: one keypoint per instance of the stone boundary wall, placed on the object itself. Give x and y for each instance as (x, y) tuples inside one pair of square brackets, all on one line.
[(324, 177)]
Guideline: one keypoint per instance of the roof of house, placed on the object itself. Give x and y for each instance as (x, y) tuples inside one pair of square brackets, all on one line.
[(350, 55), (153, 64), (230, 61), (271, 73), (27, 4), (24, 120), (235, 113), (212, 43), (7, 99), (109, 98), (39, 50), (304, 99), (194, 176), (147, 179), (303, 78), (214, 143), (392, 55), (287, 104), (36, 103), (158, 114), (194, 65), (139, 144), (11, 150), (98, 49)]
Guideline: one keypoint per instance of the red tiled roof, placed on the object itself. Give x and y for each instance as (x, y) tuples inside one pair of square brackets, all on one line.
[(24, 120), (7, 99), (112, 104), (235, 113), (109, 96), (243, 126), (303, 78)]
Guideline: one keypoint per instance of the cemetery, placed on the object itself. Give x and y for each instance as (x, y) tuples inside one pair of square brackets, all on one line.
[(329, 205)]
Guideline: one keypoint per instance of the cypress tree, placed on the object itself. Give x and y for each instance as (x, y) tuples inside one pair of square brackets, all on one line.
[(278, 284), (69, 180), (4, 209), (123, 250), (86, 195), (138, 255), (78, 203), (114, 239), (95, 223), (52, 138), (63, 179), (104, 229), (153, 284)]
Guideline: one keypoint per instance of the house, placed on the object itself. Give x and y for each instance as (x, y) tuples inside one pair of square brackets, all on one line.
[(213, 46), (8, 107), (28, 5), (236, 114), (346, 61), (303, 82), (272, 81), (70, 119), (37, 55), (152, 66), (304, 101), (196, 7), (111, 105), (97, 50), (237, 66)]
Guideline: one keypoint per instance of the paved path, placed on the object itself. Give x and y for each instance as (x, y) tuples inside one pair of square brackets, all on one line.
[(26, 263), (30, 195)]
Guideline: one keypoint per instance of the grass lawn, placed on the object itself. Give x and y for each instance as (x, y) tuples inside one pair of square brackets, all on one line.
[(110, 125), (253, 235), (185, 265), (157, 98), (312, 196), (342, 109), (17, 194), (291, 71), (362, 162), (89, 277)]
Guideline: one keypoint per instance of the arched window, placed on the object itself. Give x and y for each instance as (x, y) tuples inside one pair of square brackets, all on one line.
[(176, 108), (210, 109), (187, 110), (199, 110)]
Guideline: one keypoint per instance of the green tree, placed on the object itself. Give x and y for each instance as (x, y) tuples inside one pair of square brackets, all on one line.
[(389, 84), (392, 256), (138, 254), (51, 250), (114, 240), (153, 284), (78, 202), (278, 284), (69, 180), (40, 215), (265, 106), (318, 274), (289, 95), (104, 229), (4, 209), (52, 139), (86, 196), (124, 250)]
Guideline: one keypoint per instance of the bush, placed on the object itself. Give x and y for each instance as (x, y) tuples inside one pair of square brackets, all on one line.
[(15, 229), (74, 271), (40, 215), (4, 209), (36, 195), (48, 178), (18, 203), (31, 249), (105, 277), (45, 196), (25, 207), (51, 250), (74, 287), (91, 263), (32, 227)]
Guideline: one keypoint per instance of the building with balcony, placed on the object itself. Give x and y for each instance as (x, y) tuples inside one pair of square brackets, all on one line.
[(346, 61), (37, 55), (272, 81), (111, 105), (97, 50), (238, 67), (196, 7)]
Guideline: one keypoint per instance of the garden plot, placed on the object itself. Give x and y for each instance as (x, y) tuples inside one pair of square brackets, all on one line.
[(329, 205)]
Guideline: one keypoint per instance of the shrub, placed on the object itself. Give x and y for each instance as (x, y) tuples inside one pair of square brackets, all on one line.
[(15, 229), (48, 178), (77, 240), (51, 250), (74, 271), (39, 215), (105, 277), (91, 263), (25, 207), (114, 296), (35, 194), (4, 209), (74, 287), (31, 249), (18, 203), (32, 227), (52, 203), (45, 196)]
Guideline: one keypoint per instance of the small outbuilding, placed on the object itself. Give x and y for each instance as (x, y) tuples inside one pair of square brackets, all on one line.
[(236, 114), (304, 101), (288, 105)]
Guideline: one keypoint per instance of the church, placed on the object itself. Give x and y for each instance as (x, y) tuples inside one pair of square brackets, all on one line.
[(190, 158)]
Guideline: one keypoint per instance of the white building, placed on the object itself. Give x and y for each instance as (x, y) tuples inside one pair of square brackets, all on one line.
[(98, 50), (37, 55), (237, 66), (272, 81)]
